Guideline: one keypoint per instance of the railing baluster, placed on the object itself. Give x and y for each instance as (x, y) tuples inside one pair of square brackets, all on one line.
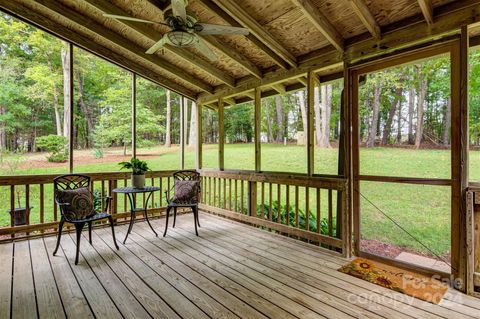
[(27, 204), (214, 191), (262, 200), (307, 208), (103, 195), (279, 204), (270, 201), (236, 196), (287, 204), (55, 213), (210, 191), (125, 183), (330, 214), (160, 181), (152, 200), (296, 206), (42, 204), (225, 193), (12, 206), (318, 211), (242, 196), (229, 194)]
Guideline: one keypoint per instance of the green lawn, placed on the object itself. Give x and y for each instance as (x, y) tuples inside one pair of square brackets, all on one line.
[(422, 210)]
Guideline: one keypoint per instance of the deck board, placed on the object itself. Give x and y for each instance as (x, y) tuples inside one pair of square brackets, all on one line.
[(230, 271)]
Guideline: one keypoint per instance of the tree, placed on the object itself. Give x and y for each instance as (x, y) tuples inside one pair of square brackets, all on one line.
[(168, 138), (372, 134), (422, 89), (193, 124), (396, 103), (326, 110), (279, 111)]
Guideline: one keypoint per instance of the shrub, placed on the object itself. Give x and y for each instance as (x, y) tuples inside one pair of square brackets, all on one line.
[(97, 153), (55, 145)]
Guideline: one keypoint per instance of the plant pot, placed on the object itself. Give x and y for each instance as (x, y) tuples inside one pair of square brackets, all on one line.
[(138, 181), (19, 215)]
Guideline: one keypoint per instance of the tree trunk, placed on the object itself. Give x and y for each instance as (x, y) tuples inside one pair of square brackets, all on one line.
[(391, 113), (399, 123), (58, 120), (269, 121), (377, 92), (279, 109), (411, 109), (66, 91), (83, 107), (193, 125), (423, 82), (168, 139), (3, 133), (318, 116), (447, 122), (326, 110), (303, 110)]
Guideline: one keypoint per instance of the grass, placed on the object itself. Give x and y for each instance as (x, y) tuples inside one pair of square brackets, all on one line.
[(424, 211)]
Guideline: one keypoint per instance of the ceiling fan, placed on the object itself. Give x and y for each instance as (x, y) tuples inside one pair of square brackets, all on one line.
[(185, 31)]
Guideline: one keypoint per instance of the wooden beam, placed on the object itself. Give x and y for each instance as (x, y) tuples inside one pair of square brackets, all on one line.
[(302, 80), (120, 41), (309, 130), (258, 119), (311, 11), (280, 88), (221, 135), (234, 55), (367, 18), (45, 23), (152, 34), (326, 62), (246, 20), (199, 144), (210, 5), (448, 22), (427, 10)]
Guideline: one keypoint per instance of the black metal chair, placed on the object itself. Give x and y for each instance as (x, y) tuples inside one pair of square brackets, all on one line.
[(191, 202), (74, 182)]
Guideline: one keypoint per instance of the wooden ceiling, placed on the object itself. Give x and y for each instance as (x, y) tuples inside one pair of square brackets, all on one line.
[(288, 38)]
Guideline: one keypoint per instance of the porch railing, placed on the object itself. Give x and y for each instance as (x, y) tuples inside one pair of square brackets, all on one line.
[(312, 209), (36, 191)]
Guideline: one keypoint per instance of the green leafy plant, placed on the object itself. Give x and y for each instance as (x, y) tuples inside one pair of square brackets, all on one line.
[(137, 166), (55, 145), (97, 153)]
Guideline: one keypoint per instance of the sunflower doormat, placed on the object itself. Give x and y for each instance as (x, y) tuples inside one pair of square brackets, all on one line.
[(397, 279)]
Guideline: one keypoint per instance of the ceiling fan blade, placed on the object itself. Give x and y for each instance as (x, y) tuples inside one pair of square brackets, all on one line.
[(202, 46), (114, 16), (157, 46), (212, 29), (179, 10)]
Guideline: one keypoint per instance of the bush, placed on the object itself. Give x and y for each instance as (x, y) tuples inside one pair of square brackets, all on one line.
[(55, 145), (97, 153)]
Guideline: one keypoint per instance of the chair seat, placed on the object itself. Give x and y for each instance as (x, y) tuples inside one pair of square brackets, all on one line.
[(92, 218)]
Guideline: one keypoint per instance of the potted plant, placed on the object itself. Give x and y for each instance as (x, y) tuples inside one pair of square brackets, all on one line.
[(12, 161), (138, 168)]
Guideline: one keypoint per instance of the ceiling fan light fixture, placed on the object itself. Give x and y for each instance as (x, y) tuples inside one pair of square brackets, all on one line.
[(181, 38)]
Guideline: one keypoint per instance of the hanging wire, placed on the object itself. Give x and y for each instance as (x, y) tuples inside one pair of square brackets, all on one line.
[(400, 226)]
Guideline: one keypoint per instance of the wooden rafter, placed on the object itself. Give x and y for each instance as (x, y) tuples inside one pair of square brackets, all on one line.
[(280, 88), (234, 55), (311, 11), (115, 38), (241, 16), (82, 41), (147, 31), (210, 5), (368, 20), (427, 10), (446, 24)]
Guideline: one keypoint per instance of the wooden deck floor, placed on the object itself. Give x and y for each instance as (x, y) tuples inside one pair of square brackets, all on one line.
[(230, 271)]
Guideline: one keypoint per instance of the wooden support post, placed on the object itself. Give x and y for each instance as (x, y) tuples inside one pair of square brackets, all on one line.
[(470, 234), (221, 135), (183, 127), (258, 118), (71, 103), (134, 115), (309, 131), (459, 87), (199, 141)]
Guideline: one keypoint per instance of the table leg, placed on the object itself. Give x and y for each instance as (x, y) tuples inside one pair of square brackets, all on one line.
[(146, 214), (132, 216)]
